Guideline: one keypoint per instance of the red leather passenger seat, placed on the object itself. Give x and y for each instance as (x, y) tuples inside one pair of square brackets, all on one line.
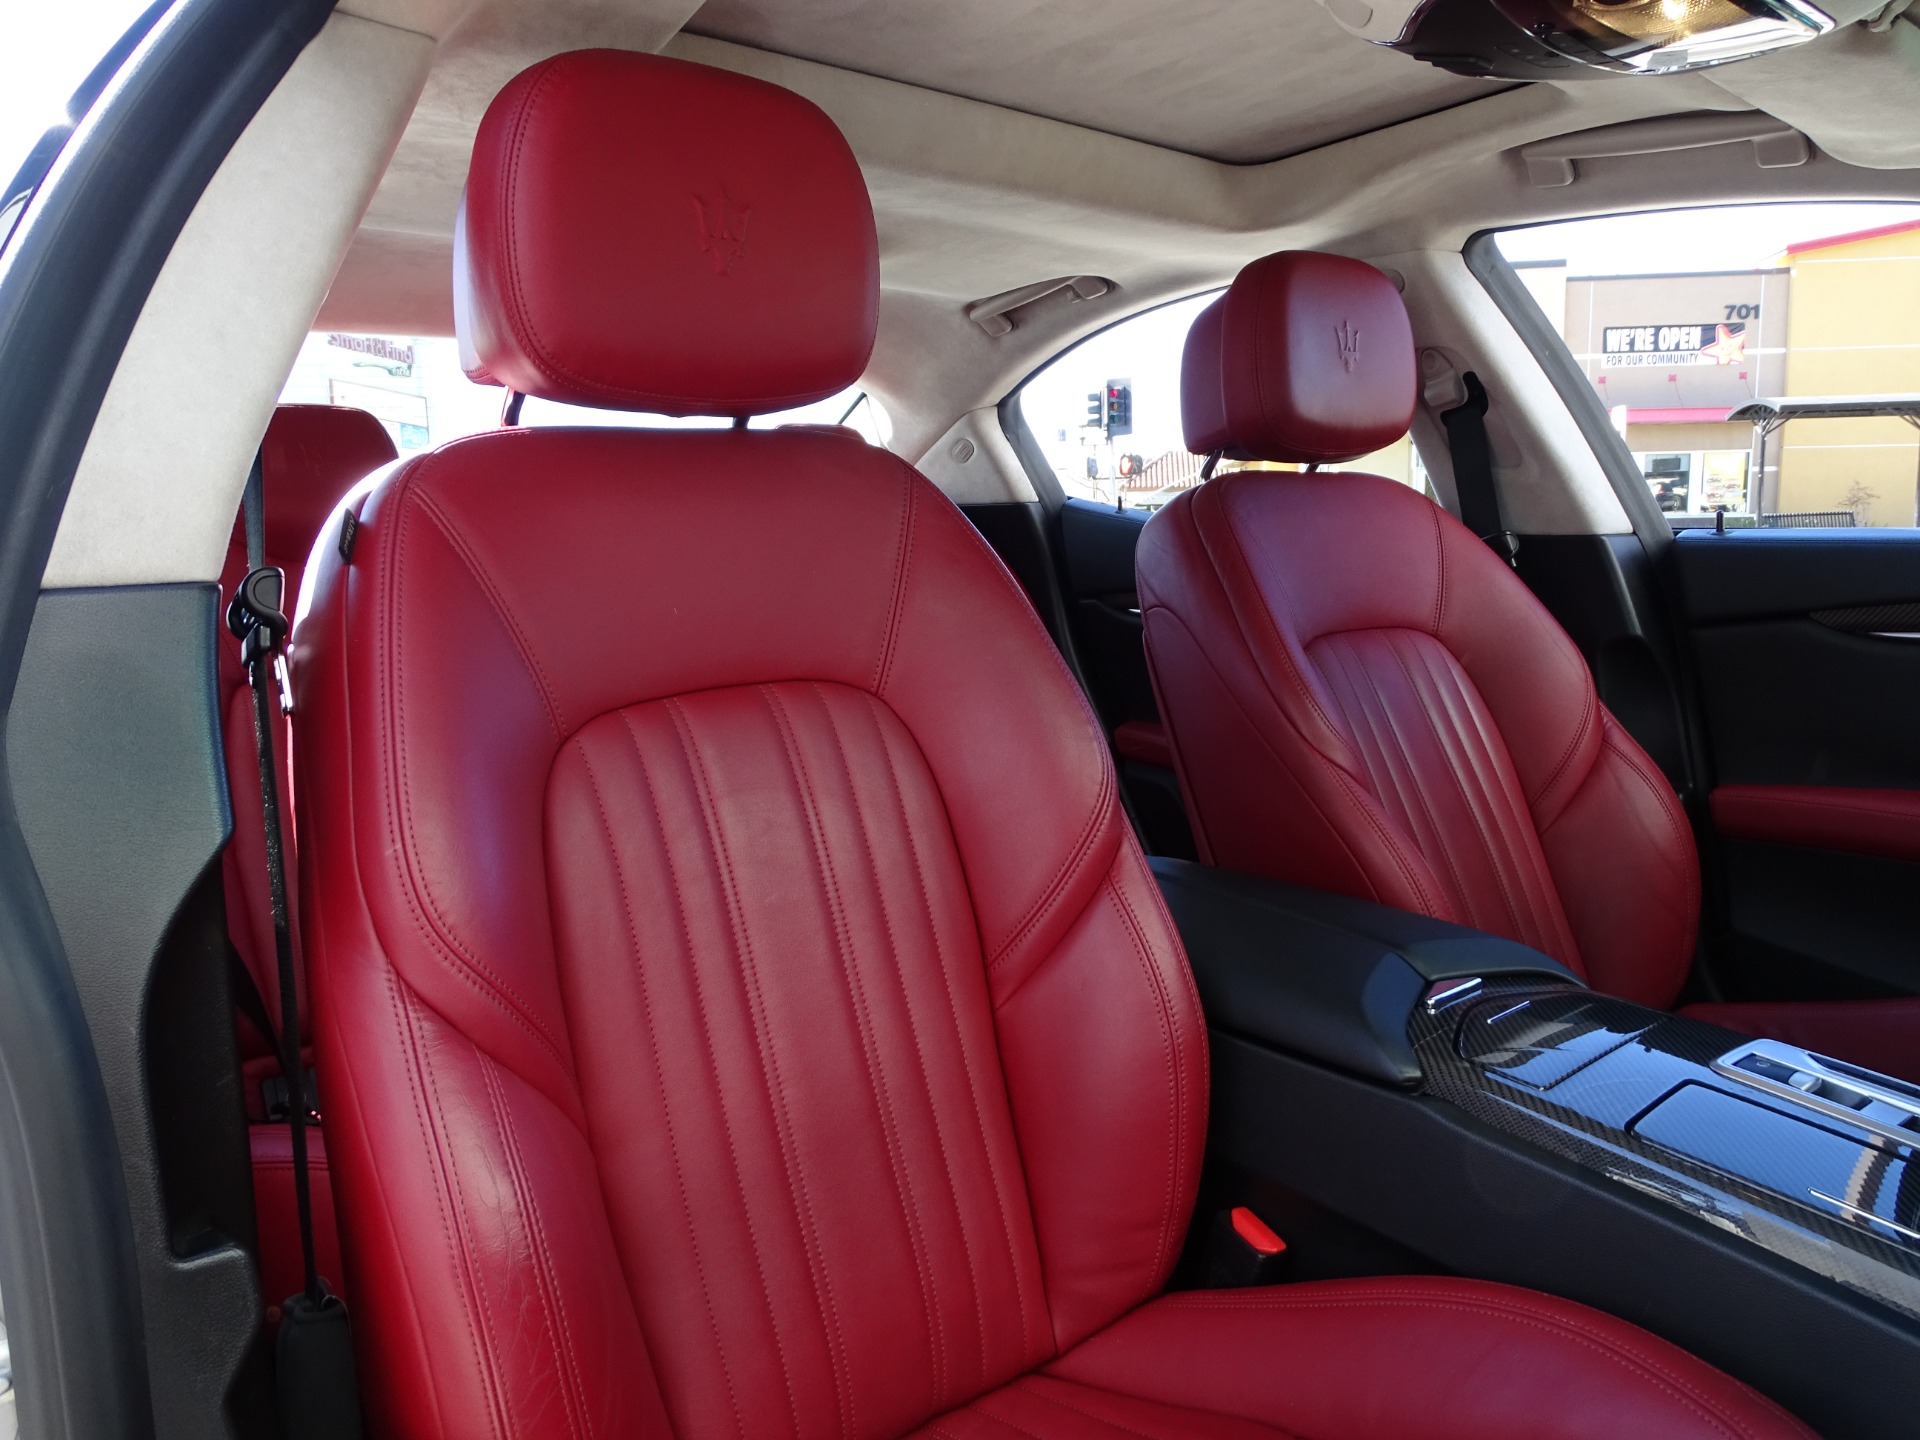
[(310, 457), (742, 1008), (1363, 698)]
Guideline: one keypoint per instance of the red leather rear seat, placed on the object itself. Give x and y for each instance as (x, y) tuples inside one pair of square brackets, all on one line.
[(742, 1007), (310, 457)]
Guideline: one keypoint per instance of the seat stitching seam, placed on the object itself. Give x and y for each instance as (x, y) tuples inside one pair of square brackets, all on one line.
[(668, 1123), (824, 1301), (1431, 904), (913, 1024), (1067, 869), (474, 1279), (1585, 1336), (1047, 1397), (1234, 550), (1390, 746), (427, 920), (905, 1194), (1170, 1045), (902, 564), (463, 550), (1539, 906), (546, 1284), (437, 1163), (1489, 845), (966, 1058)]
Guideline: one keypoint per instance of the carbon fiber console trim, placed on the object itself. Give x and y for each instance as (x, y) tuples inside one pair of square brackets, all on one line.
[(1633, 1094)]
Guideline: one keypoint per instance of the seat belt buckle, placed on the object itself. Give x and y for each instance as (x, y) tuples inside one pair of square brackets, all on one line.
[(276, 1096), (1245, 1251), (258, 619)]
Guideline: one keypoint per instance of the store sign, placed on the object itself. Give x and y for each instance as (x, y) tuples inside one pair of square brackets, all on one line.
[(1626, 347), (373, 346)]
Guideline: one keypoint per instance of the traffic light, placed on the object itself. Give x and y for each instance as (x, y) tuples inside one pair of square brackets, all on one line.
[(1096, 410), (1119, 408)]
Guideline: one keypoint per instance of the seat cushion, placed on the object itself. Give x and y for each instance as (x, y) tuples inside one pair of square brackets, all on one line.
[(1402, 1359)]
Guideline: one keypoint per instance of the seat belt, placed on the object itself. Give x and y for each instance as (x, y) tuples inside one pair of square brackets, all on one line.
[(1473, 482), (318, 1392)]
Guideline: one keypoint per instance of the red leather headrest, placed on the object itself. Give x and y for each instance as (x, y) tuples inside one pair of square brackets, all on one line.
[(640, 233), (1316, 359), (1203, 412), (310, 456)]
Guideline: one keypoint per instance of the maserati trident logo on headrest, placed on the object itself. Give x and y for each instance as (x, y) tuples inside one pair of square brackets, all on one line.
[(723, 229), (1347, 339)]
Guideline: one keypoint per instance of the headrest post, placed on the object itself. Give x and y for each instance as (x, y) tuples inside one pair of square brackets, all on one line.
[(510, 409)]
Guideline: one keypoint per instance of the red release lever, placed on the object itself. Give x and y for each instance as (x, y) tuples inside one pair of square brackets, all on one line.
[(1256, 1232)]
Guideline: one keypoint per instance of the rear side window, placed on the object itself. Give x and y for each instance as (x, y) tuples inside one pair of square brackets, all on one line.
[(413, 384), (1106, 415), (1761, 360)]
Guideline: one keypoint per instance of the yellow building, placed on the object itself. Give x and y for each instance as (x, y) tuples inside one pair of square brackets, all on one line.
[(1853, 328)]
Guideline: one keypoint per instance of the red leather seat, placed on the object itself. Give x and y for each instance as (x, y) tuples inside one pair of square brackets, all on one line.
[(310, 456), (1363, 698), (742, 1007)]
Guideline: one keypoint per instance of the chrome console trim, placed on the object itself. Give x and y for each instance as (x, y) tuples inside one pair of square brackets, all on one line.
[(1887, 1108)]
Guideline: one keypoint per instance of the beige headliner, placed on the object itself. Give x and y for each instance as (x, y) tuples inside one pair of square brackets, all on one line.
[(1221, 78), (978, 193), (974, 197)]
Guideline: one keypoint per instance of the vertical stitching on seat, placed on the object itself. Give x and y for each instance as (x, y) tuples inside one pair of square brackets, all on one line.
[(1434, 691), (902, 562), (1393, 756), (553, 1313), (913, 1024), (638, 962), (500, 1400), (1067, 869), (877, 1085), (1047, 1396), (1027, 1312), (1170, 1042), (1448, 691), (824, 1300), (463, 550), (422, 908), (423, 1114)]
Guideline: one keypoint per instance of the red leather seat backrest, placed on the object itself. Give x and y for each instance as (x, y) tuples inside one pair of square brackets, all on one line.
[(310, 456), (741, 1004), (1361, 696)]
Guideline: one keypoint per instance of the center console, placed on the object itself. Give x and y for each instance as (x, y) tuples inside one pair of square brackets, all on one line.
[(1466, 1098)]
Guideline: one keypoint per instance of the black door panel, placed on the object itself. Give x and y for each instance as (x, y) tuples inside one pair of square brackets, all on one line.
[(1096, 546), (1796, 689)]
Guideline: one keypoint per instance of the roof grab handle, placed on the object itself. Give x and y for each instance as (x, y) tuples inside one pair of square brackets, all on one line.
[(997, 313), (1776, 144)]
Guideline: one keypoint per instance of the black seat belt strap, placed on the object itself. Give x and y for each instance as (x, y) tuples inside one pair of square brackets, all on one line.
[(318, 1391), (1473, 481)]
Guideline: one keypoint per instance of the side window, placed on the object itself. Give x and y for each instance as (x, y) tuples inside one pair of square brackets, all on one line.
[(413, 384), (1106, 415), (1761, 360)]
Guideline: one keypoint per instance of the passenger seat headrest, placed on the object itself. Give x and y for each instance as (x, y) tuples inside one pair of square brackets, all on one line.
[(1203, 412), (310, 456), (640, 233), (1316, 359)]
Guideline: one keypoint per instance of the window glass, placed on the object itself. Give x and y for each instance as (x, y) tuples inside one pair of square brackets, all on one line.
[(414, 386), (47, 56), (1763, 360), (1142, 461)]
